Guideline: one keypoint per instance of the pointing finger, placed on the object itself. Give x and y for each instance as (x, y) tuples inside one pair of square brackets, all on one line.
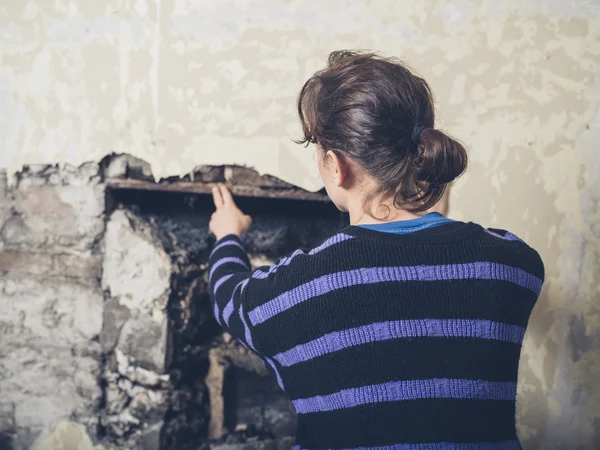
[(217, 197), (226, 195)]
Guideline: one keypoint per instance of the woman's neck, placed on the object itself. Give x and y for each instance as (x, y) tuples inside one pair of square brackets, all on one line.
[(386, 212)]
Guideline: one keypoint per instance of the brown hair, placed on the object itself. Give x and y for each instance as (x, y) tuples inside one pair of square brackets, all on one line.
[(367, 107)]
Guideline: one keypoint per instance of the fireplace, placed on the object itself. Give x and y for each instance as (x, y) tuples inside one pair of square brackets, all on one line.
[(172, 378), (255, 405), (106, 320)]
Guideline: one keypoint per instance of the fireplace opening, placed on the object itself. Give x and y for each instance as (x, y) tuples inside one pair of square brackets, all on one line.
[(279, 226), (211, 393), (256, 406)]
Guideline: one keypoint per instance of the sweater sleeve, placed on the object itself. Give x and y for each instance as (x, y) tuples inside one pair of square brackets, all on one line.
[(243, 299), (228, 276)]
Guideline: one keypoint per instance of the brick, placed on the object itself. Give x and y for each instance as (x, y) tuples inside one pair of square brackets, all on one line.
[(47, 384), (126, 166), (249, 177), (57, 234), (144, 340), (136, 268), (208, 174), (58, 218), (55, 175), (47, 265), (115, 315), (57, 312), (86, 201)]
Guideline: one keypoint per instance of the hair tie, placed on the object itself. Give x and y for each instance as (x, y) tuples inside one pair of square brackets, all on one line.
[(416, 134)]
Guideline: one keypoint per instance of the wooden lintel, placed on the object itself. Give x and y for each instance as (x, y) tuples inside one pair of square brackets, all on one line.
[(189, 187)]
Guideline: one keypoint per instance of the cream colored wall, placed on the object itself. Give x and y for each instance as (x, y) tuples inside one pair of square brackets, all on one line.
[(183, 82)]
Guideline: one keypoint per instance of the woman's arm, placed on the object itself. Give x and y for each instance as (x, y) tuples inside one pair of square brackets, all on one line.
[(244, 299), (229, 266), (229, 275)]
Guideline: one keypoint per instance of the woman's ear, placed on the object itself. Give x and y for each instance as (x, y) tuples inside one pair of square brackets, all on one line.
[(339, 167)]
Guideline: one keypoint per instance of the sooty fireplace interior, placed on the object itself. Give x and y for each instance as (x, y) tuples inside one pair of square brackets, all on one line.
[(173, 379)]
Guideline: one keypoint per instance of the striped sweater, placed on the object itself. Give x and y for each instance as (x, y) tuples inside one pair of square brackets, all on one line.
[(389, 341)]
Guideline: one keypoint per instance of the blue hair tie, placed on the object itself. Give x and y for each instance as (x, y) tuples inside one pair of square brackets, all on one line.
[(416, 134)]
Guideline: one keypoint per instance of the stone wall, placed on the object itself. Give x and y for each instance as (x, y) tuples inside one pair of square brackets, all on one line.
[(51, 302), (136, 279), (105, 318)]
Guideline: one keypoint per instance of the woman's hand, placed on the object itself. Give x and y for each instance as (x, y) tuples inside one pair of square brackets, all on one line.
[(227, 219)]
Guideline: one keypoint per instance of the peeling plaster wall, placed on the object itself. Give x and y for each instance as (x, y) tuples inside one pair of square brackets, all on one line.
[(184, 82)]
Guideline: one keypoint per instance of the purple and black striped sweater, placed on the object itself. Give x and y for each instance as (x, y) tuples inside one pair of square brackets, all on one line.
[(389, 341)]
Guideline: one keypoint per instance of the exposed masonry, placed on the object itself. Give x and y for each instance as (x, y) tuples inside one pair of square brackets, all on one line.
[(105, 317), (51, 361)]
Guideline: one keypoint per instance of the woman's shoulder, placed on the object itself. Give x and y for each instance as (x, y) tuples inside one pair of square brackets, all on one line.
[(501, 235), (509, 242)]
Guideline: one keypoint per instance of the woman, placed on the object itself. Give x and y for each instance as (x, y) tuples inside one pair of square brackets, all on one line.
[(404, 330)]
